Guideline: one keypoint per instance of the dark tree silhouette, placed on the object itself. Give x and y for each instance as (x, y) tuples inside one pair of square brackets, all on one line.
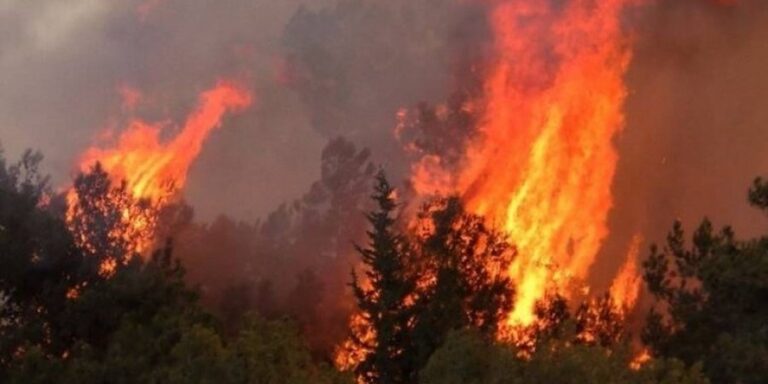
[(465, 283), (108, 224), (381, 296), (711, 300)]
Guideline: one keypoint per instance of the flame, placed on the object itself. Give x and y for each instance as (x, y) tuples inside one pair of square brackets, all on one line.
[(626, 286), (640, 359), (151, 166), (350, 354), (156, 169), (543, 165)]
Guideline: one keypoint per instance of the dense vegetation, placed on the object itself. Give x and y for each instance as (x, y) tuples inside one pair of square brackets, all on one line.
[(428, 301)]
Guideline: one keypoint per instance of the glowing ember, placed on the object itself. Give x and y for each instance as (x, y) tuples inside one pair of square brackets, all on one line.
[(641, 359), (155, 169)]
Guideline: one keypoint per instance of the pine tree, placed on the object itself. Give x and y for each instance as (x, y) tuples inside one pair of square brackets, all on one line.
[(711, 292), (382, 297)]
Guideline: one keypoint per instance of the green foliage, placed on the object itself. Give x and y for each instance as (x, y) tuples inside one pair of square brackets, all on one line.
[(466, 357), (272, 352), (711, 298)]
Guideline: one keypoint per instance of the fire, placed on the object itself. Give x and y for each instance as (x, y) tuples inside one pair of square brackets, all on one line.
[(349, 355), (155, 169), (641, 359), (626, 286), (543, 164)]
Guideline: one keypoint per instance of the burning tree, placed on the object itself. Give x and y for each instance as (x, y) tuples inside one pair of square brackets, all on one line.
[(383, 301), (465, 284), (450, 275), (108, 224)]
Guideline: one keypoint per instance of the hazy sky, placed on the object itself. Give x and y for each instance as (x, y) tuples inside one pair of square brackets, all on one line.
[(696, 116), (62, 62)]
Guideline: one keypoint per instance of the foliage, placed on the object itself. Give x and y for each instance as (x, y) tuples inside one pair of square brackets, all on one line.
[(64, 321), (272, 352), (466, 357), (465, 285), (711, 300), (431, 300), (39, 262), (450, 276), (595, 322), (382, 296), (108, 224)]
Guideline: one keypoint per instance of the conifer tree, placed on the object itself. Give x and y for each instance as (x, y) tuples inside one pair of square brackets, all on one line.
[(382, 296)]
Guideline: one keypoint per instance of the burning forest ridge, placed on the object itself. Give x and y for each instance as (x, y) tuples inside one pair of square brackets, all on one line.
[(494, 184), (155, 169)]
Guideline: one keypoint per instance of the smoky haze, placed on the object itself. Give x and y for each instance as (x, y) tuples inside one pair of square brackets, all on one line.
[(696, 123), (695, 134), (319, 69), (62, 63)]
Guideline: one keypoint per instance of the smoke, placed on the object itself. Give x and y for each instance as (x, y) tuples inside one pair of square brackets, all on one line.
[(694, 138), (321, 69), (71, 69), (696, 123), (63, 62), (356, 64)]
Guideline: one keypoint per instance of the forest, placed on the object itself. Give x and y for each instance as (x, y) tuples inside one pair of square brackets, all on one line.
[(79, 305), (383, 192)]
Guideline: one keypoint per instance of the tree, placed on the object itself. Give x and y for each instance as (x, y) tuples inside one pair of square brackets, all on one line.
[(599, 321), (452, 276), (468, 357), (39, 262), (382, 296), (236, 300), (108, 224), (465, 283), (305, 305), (711, 299), (758, 194), (272, 352)]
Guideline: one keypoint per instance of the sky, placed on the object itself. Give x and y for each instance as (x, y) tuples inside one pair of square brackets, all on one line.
[(63, 62), (696, 114)]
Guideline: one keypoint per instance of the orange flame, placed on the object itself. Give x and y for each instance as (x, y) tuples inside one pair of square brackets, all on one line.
[(156, 169), (626, 286), (543, 166)]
